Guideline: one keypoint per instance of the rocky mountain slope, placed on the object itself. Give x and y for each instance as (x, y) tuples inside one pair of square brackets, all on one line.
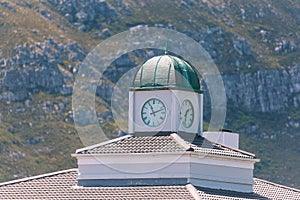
[(256, 46)]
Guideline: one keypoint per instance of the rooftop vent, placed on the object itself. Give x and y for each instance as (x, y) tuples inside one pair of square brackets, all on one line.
[(225, 137)]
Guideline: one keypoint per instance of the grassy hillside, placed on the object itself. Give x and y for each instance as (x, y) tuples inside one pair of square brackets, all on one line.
[(274, 142)]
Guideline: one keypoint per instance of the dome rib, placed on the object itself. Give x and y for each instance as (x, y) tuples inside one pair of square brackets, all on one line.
[(154, 77), (169, 71)]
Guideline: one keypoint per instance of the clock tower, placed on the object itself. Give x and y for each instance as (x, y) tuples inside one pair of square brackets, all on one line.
[(165, 97)]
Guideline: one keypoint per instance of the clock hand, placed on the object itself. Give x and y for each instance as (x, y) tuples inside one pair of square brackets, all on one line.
[(152, 113), (186, 112), (157, 111)]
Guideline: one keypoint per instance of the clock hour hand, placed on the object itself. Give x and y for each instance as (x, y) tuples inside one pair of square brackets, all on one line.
[(152, 113)]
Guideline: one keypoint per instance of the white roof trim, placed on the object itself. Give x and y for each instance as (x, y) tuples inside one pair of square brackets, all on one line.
[(165, 153), (95, 155), (38, 176), (103, 143)]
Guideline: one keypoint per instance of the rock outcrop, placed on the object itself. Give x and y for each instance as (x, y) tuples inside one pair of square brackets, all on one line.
[(35, 68), (272, 90), (85, 14), (215, 40)]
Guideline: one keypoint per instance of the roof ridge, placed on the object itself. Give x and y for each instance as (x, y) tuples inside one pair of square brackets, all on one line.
[(278, 185), (38, 176), (233, 149), (193, 191), (102, 143), (180, 141)]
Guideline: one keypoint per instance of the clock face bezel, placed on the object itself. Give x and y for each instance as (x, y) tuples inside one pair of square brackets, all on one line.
[(153, 115), (184, 110)]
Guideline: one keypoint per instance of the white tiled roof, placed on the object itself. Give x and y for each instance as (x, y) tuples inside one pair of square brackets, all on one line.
[(139, 145), (62, 185), (168, 143)]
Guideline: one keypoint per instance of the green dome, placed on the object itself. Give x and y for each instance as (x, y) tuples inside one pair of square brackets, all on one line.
[(168, 72)]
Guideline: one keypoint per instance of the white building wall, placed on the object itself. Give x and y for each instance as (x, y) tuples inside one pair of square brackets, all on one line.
[(211, 172), (226, 138), (131, 116), (222, 177), (115, 171)]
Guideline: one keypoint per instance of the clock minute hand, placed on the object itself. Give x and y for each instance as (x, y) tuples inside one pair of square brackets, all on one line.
[(157, 111), (186, 112)]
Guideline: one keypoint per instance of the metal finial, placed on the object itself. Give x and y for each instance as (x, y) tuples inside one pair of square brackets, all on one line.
[(166, 50)]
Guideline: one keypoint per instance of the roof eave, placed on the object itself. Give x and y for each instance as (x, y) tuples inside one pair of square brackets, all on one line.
[(199, 154)]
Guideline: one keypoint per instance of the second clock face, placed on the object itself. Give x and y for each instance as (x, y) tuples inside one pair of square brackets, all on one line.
[(186, 115), (153, 112)]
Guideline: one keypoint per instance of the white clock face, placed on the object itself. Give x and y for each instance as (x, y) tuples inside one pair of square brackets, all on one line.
[(186, 114), (153, 112)]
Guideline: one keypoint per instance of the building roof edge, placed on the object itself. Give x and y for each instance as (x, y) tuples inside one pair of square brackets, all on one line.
[(38, 176), (102, 143)]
